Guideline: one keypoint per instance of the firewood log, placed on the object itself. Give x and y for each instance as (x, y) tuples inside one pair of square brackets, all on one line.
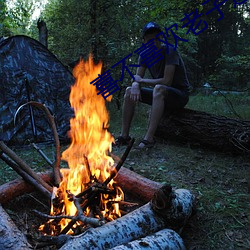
[(150, 218), (10, 237), (163, 239), (137, 185)]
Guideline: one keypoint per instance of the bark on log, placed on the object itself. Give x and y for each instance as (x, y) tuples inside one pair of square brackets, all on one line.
[(140, 187), (163, 239), (10, 237), (212, 131), (150, 218), (134, 225)]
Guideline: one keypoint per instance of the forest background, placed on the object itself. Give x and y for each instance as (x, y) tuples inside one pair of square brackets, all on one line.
[(218, 54)]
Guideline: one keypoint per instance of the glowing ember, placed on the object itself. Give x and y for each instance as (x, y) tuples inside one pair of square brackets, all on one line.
[(87, 157)]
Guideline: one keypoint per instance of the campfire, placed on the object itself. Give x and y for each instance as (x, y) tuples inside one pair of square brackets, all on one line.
[(87, 198), (87, 188)]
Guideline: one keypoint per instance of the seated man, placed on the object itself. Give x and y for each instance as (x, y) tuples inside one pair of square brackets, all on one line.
[(168, 89)]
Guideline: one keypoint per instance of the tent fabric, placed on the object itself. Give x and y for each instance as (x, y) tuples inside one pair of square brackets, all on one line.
[(29, 71)]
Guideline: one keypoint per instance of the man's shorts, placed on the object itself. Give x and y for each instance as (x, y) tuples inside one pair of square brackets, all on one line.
[(175, 99)]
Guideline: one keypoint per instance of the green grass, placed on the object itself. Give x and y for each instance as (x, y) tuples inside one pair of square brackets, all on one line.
[(234, 106), (220, 181)]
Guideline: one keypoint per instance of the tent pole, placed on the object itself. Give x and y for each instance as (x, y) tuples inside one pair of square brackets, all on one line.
[(33, 125)]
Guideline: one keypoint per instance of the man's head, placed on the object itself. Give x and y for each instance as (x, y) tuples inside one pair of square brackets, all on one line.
[(150, 28), (150, 31)]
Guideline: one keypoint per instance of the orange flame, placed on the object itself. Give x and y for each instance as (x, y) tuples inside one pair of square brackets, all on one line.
[(90, 138)]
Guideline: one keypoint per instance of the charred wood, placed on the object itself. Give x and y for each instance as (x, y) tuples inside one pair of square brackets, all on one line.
[(120, 163)]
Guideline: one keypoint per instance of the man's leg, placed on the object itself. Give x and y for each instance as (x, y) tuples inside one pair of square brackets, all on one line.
[(127, 113), (156, 112)]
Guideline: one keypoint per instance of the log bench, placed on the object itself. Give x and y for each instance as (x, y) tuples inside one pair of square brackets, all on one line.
[(211, 131)]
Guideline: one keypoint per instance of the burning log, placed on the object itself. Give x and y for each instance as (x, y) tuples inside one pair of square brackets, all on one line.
[(165, 210), (10, 237), (216, 132), (163, 239)]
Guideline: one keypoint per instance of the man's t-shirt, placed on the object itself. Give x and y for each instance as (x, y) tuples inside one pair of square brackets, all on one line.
[(180, 80)]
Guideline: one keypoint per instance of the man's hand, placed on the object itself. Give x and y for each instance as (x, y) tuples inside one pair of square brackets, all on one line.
[(135, 93), (138, 78)]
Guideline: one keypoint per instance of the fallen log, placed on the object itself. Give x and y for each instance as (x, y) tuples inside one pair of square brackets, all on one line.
[(212, 131), (163, 239), (148, 219), (10, 237)]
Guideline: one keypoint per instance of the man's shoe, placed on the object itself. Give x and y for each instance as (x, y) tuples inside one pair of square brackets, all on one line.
[(145, 144)]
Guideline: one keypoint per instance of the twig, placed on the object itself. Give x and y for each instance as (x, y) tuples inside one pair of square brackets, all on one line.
[(42, 154), (52, 217), (38, 201), (87, 220), (24, 166), (25, 176), (86, 162), (79, 215), (120, 163)]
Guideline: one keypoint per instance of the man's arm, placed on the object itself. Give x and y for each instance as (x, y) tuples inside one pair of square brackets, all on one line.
[(135, 93), (166, 80)]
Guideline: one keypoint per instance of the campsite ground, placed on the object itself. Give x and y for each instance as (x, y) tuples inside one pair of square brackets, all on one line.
[(220, 180)]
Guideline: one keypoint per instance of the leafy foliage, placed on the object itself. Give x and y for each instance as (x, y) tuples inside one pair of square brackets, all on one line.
[(111, 30)]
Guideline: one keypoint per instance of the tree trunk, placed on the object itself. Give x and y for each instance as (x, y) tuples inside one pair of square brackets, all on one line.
[(10, 237), (43, 32), (212, 131)]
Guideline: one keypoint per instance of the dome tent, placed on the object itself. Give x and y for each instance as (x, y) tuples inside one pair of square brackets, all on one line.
[(30, 72)]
